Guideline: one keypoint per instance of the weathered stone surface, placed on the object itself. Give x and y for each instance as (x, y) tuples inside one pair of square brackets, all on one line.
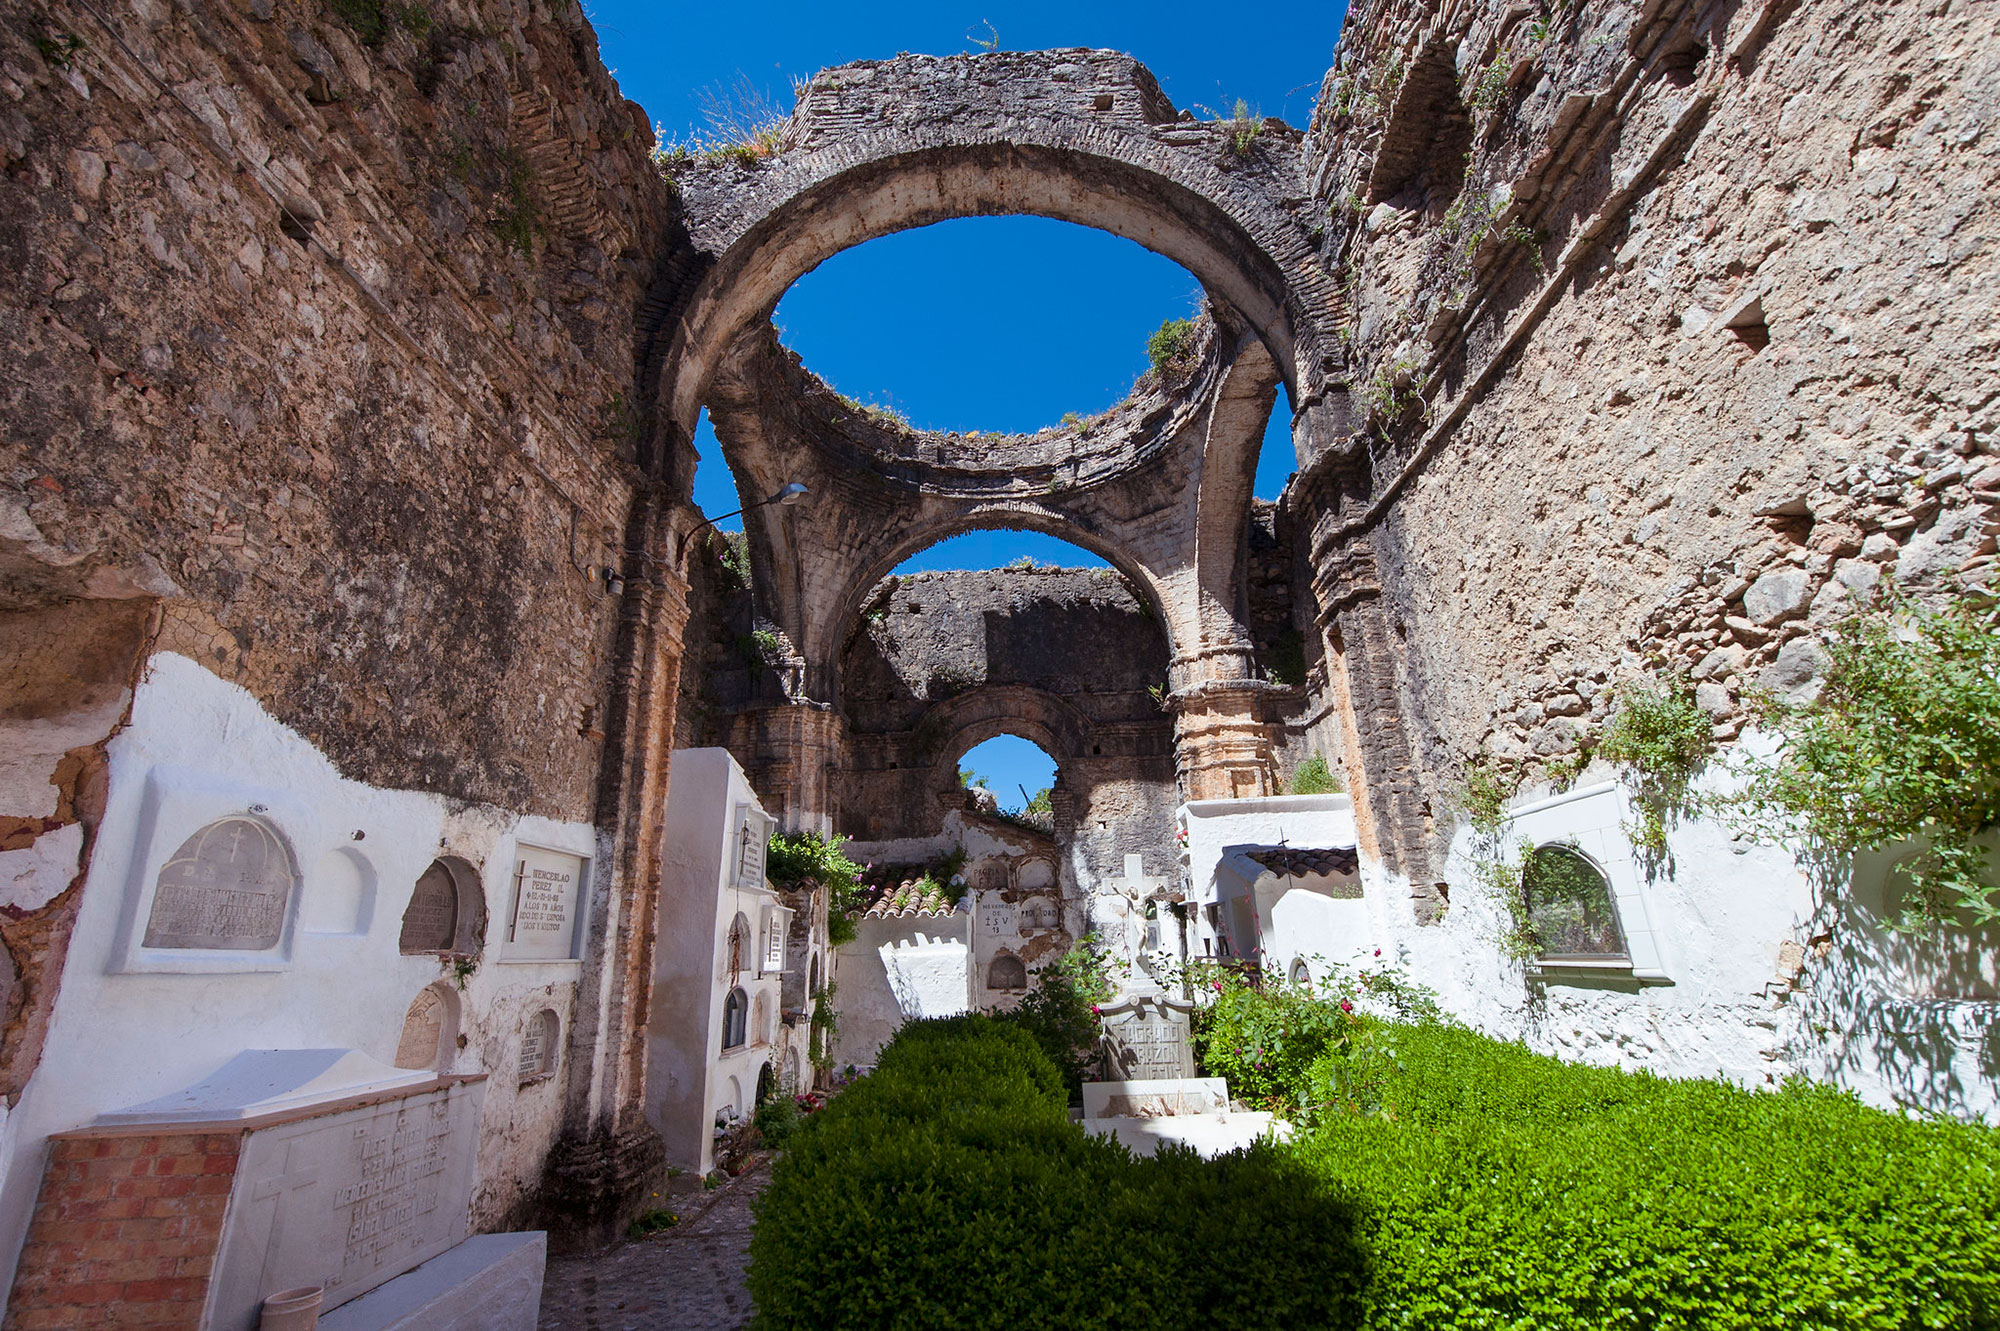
[(1795, 675), (1777, 596)]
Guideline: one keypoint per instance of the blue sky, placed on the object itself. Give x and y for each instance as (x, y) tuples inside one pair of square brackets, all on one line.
[(982, 323)]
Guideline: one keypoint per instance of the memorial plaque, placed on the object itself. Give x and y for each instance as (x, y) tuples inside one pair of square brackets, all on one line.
[(1000, 920), (538, 1046), (431, 922), (347, 1200), (422, 1045), (226, 888), (543, 925), (1146, 1038)]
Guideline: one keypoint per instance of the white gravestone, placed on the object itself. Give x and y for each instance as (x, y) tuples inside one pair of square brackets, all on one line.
[(1146, 1038), (347, 1200), (542, 926)]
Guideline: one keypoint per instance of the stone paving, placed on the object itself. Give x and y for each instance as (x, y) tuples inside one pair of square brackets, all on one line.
[(688, 1278)]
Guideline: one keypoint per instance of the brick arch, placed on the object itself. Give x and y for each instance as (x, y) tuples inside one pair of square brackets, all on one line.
[(1081, 136)]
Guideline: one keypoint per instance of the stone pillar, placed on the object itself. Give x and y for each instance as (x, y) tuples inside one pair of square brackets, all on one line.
[(604, 1167), (789, 750), (1224, 748), (1392, 811)]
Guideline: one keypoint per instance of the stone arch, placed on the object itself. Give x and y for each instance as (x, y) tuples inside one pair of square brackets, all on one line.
[(879, 148), (1049, 722), (1006, 515), (735, 1020)]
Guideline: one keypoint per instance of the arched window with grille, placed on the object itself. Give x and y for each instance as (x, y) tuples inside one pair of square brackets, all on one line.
[(1570, 909)]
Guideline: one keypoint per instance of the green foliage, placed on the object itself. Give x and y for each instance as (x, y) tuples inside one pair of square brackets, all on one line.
[(1267, 1035), (1530, 239), (1314, 777), (778, 1118), (651, 1222), (1171, 348), (990, 42), (1386, 393), (519, 220), (373, 20), (949, 1189), (800, 859), (1485, 799), (821, 1029), (969, 779), (1041, 804), (734, 552), (1499, 1188), (1060, 1010), (1244, 127), (59, 48), (1901, 745), (1488, 88), (1659, 732)]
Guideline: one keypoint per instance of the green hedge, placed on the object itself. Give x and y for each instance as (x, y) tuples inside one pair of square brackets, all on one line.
[(1449, 1181), (1499, 1188), (949, 1189)]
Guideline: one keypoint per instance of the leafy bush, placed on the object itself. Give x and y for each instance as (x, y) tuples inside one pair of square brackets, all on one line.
[(1499, 1188), (1314, 777), (799, 859), (1265, 1035), (1902, 744), (1060, 1011), (778, 1118), (1660, 732), (1171, 348), (948, 1188)]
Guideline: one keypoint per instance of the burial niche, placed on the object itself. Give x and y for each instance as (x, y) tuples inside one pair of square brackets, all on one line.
[(538, 1047), (1569, 906), (1005, 972), (430, 1030), (447, 910), (227, 888), (735, 1019)]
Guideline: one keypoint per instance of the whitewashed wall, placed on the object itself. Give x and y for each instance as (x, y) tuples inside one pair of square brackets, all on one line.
[(197, 748), (1741, 967)]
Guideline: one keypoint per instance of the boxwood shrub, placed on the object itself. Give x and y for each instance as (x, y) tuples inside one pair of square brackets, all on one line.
[(949, 1189), (1498, 1188), (1446, 1180)]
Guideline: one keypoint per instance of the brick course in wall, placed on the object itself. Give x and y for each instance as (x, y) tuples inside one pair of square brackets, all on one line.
[(125, 1233)]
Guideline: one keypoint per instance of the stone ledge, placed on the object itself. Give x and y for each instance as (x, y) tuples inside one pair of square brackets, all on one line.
[(490, 1282)]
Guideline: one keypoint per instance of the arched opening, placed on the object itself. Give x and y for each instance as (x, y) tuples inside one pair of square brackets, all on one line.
[(1569, 903), (740, 943), (1007, 973), (735, 1020), (1017, 773)]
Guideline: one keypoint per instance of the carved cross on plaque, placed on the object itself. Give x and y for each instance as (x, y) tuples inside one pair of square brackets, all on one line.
[(280, 1188)]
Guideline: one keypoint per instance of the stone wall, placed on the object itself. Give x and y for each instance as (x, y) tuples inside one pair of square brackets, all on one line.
[(1067, 658), (1696, 346), (323, 333)]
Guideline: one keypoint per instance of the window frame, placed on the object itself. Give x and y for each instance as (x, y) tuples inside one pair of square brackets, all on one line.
[(1591, 820)]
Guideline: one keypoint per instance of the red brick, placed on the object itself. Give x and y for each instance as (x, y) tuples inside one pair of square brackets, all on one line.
[(157, 1290)]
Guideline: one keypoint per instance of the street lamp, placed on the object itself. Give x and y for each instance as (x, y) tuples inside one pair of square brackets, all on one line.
[(788, 494)]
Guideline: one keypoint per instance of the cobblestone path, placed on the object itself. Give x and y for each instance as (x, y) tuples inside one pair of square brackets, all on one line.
[(688, 1278)]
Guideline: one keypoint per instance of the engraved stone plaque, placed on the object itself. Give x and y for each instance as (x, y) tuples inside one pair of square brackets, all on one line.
[(998, 919), (347, 1200), (226, 888), (1146, 1038), (538, 1046), (422, 1045), (431, 922), (543, 925)]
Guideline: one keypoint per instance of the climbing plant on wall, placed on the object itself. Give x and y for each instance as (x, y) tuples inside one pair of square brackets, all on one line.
[(1660, 734), (797, 859), (1902, 745)]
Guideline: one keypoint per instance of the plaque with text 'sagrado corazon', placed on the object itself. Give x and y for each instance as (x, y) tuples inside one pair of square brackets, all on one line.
[(1146, 1038)]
